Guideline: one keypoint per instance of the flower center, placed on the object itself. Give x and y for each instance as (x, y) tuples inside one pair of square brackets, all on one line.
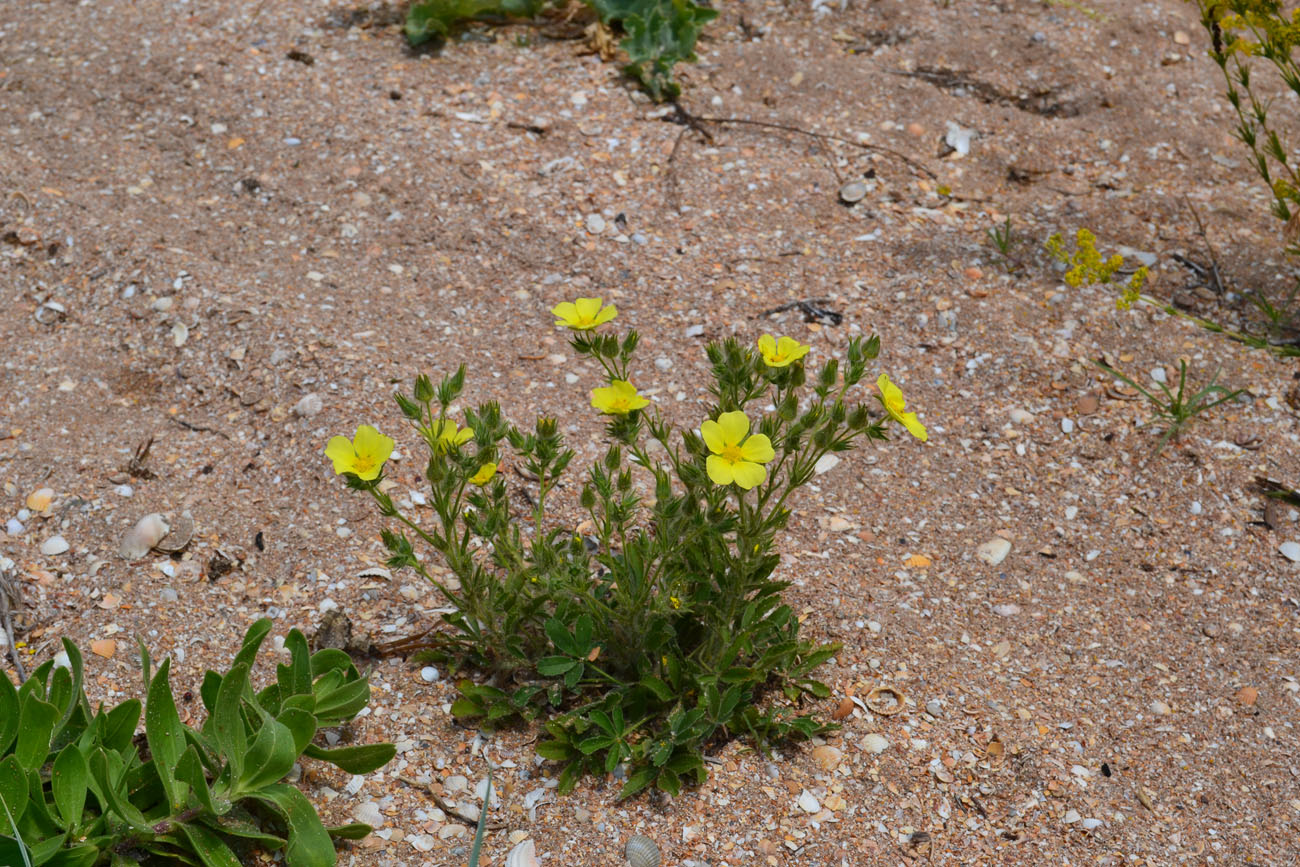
[(732, 454), (895, 405), (619, 404), (364, 464)]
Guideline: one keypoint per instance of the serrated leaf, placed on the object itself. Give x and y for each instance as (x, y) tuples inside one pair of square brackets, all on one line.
[(68, 781), (636, 781), (553, 666), (363, 759)]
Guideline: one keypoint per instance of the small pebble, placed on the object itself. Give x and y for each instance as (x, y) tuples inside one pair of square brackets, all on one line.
[(1196, 507), (124, 490), (454, 784), (167, 594), (933, 708), (1071, 816), (54, 545), (874, 626), (14, 527), (1006, 609), (429, 674), (875, 743), (1020, 416), (1290, 550), (1158, 374), (1067, 425), (595, 224), (1091, 824), (825, 464), (694, 330), (808, 803), (1071, 512), (852, 192)]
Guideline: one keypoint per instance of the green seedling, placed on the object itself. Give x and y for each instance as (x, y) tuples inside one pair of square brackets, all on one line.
[(1176, 407)]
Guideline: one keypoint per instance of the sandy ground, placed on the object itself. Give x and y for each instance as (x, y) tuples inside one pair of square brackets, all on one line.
[(212, 212)]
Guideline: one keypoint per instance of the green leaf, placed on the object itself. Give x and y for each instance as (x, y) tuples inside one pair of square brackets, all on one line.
[(211, 849), (301, 723), (553, 666), (330, 659), (12, 852), (189, 769), (35, 725), (110, 786), (573, 675), (466, 708), (556, 751), (561, 638), (354, 831), (342, 704), (362, 759), (84, 855), (165, 734), (43, 851), (253, 639), (270, 757), (295, 678), (638, 780), (582, 631), (594, 743), (8, 714), (661, 690), (120, 724), (309, 843), (669, 781), (228, 721), (68, 780), (13, 787)]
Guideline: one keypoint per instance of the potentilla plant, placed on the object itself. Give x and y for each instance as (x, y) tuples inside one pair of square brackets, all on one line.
[(659, 629)]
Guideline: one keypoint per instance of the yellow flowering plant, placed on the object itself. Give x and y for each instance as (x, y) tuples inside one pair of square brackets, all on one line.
[(637, 611)]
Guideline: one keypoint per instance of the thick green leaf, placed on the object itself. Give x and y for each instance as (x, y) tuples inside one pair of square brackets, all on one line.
[(12, 853), (556, 751), (232, 826), (253, 639), (68, 781), (165, 734), (329, 659), (343, 703), (270, 757), (13, 787), (84, 855), (208, 691), (189, 770), (309, 843), (561, 638), (466, 708), (42, 852), (8, 713), (228, 719), (301, 723), (109, 785), (211, 849), (362, 759), (661, 690), (35, 725), (120, 723)]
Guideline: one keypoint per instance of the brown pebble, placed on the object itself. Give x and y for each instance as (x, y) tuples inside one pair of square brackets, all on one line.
[(1247, 695), (973, 273), (915, 129), (843, 710), (1088, 404), (104, 647)]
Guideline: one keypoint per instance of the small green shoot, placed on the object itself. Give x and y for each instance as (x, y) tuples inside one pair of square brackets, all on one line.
[(482, 823), (1176, 408), (1004, 241)]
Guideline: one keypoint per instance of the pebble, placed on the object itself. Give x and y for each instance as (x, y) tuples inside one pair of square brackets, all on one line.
[(808, 803), (1071, 512), (455, 784), (874, 626), (124, 490), (167, 594), (309, 406), (429, 674), (694, 330), (933, 708), (595, 224), (875, 743), (54, 545), (1021, 416), (827, 757), (14, 527), (664, 363), (1006, 609), (1067, 425), (1290, 550), (853, 192), (1091, 824), (994, 551), (1159, 708), (1071, 816), (1158, 374)]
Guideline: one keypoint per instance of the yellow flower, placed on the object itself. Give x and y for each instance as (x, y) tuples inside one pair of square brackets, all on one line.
[(364, 455), (443, 434), (675, 602), (780, 353), (484, 474), (619, 398), (736, 457), (891, 397), (583, 314)]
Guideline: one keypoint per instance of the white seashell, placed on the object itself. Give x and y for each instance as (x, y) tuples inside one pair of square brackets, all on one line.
[(178, 535), (146, 533), (54, 545), (523, 855), (641, 851)]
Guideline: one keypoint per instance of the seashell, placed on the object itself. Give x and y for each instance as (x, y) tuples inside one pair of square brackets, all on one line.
[(523, 855), (641, 851), (146, 533), (179, 535), (40, 499)]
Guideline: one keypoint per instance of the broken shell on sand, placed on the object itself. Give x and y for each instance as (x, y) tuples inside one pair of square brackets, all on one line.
[(146, 533)]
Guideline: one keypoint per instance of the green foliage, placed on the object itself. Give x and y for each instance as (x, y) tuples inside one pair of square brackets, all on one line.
[(1177, 408), (1004, 241), (658, 34), (657, 629), (79, 788), (1241, 31)]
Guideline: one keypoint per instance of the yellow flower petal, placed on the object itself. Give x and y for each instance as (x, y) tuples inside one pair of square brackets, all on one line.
[(371, 443), (484, 474), (618, 398), (587, 309), (719, 469), (748, 474), (711, 432), (340, 451), (758, 449), (607, 313), (767, 346), (914, 427), (734, 426), (566, 313)]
